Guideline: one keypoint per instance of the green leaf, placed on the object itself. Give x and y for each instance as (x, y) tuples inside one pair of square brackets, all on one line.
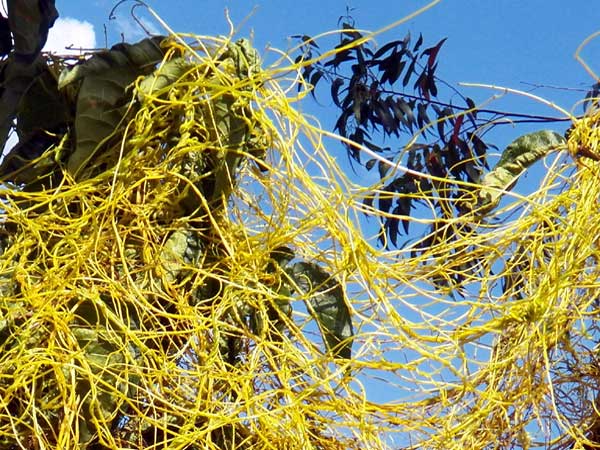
[(99, 112), (104, 360), (42, 106), (29, 22), (231, 131), (517, 157), (244, 57), (142, 55), (182, 249), (164, 76), (31, 95), (327, 304), (101, 103), (231, 118)]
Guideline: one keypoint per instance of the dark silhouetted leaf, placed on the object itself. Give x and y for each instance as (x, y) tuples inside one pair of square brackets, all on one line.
[(452, 159), (349, 31), (592, 97), (471, 105), (433, 52), (306, 72), (340, 124), (472, 171), (387, 47), (409, 72), (335, 87), (431, 86), (18, 77), (361, 60), (404, 206), (392, 67), (406, 40), (479, 146), (408, 117), (371, 146), (384, 116), (418, 44), (314, 80), (29, 23), (392, 227), (440, 129), (421, 83), (422, 118), (464, 148), (5, 37), (434, 163), (383, 169), (385, 201), (370, 163), (358, 136), (397, 70), (339, 58), (395, 108), (456, 130), (306, 39)]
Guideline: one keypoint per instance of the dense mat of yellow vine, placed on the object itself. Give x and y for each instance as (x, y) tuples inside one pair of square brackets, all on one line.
[(493, 368)]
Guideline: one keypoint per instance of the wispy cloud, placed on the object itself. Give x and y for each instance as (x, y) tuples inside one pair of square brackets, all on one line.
[(70, 33)]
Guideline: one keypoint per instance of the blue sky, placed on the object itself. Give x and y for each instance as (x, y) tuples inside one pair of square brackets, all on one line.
[(510, 43), (503, 42)]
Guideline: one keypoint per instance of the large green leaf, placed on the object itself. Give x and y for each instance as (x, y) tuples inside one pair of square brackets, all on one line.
[(99, 112), (327, 304), (105, 360), (231, 117), (101, 103), (29, 22), (42, 106), (517, 157), (142, 55), (102, 360), (42, 118)]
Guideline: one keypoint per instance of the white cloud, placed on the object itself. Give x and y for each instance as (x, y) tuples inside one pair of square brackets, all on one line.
[(69, 32), (66, 32)]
